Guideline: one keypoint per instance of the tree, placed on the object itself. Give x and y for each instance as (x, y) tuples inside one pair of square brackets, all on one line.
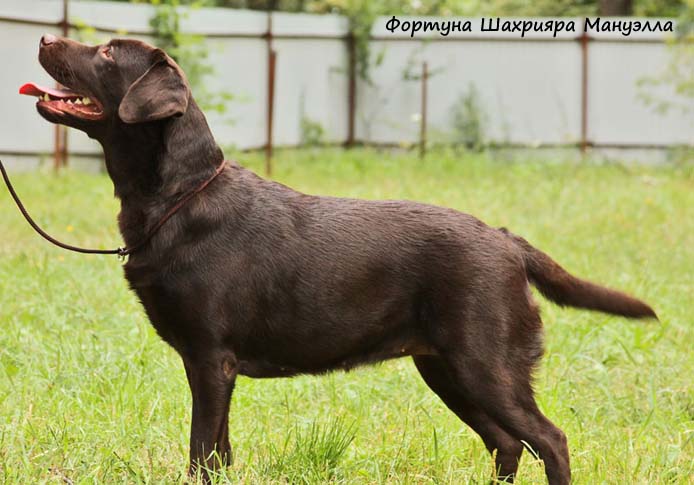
[(617, 8), (472, 8), (673, 88)]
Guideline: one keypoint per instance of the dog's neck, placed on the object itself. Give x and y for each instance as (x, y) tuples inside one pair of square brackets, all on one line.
[(154, 162)]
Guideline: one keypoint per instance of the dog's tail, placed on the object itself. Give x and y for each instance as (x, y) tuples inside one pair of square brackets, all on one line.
[(563, 288)]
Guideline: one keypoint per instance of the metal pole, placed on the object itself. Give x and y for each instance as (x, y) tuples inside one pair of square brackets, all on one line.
[(584, 92), (57, 148), (66, 32), (271, 60), (352, 88), (423, 124), (60, 138)]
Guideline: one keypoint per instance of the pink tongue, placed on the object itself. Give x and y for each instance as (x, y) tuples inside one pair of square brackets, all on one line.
[(31, 89)]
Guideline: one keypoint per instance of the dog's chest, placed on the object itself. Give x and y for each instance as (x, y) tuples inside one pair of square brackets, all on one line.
[(177, 308), (167, 315)]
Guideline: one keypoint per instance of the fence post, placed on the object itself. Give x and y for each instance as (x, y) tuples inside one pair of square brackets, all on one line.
[(423, 116), (352, 88), (65, 24), (60, 144), (584, 92), (271, 60), (57, 147)]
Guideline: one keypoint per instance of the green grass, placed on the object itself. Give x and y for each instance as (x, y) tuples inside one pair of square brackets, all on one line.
[(89, 393)]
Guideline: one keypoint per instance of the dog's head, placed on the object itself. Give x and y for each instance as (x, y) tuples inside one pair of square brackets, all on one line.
[(121, 82)]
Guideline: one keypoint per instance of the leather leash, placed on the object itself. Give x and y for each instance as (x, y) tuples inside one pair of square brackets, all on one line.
[(122, 252)]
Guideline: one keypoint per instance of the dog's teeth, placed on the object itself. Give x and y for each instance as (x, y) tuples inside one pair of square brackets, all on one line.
[(86, 101), (78, 101), (46, 97), (69, 101)]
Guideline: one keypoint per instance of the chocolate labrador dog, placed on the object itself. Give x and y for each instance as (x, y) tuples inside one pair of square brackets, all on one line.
[(249, 277)]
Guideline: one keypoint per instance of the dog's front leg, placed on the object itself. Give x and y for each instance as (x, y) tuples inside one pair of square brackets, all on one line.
[(211, 377)]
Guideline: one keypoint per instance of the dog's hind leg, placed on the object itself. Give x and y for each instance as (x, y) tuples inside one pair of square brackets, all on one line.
[(508, 449), (490, 360), (211, 378), (512, 406)]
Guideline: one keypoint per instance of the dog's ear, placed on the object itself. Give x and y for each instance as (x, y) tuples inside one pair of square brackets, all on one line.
[(161, 92)]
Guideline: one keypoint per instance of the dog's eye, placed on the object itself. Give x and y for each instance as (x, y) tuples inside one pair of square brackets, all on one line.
[(106, 52)]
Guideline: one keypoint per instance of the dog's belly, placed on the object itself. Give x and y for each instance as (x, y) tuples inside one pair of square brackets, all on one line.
[(263, 368), (336, 333)]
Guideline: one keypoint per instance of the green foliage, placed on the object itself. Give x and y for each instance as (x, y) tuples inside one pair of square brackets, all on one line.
[(540, 8), (673, 88), (553, 8), (85, 33), (685, 23), (413, 70), (468, 120), (361, 15), (658, 8), (518, 8), (312, 132)]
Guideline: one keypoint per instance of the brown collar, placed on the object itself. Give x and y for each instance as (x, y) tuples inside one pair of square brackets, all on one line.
[(122, 252)]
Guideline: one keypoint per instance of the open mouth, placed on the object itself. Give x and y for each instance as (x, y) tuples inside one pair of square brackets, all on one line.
[(64, 101)]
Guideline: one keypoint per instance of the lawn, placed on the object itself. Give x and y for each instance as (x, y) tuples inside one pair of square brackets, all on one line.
[(89, 394)]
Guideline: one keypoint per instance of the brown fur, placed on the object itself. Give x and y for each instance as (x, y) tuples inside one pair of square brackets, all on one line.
[(558, 285), (254, 278)]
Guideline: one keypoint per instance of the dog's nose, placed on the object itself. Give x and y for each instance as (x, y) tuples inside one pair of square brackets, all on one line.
[(48, 39)]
